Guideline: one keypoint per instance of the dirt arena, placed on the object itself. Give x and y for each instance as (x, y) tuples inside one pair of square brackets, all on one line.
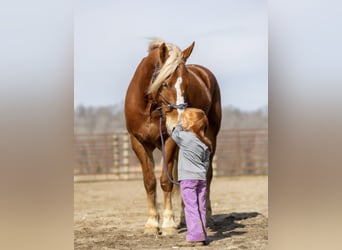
[(112, 214)]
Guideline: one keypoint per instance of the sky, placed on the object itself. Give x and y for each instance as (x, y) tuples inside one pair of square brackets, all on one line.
[(112, 37)]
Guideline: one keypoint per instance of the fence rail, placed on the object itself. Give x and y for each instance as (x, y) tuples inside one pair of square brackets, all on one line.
[(109, 156)]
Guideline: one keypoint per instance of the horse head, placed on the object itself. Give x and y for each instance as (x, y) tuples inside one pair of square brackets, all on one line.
[(169, 81)]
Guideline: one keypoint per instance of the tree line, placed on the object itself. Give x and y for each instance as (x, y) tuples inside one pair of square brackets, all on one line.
[(109, 119)]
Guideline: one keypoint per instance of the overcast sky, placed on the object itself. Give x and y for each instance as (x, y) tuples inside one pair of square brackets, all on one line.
[(111, 38)]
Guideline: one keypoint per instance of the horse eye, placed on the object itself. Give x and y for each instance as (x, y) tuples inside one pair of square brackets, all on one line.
[(164, 84)]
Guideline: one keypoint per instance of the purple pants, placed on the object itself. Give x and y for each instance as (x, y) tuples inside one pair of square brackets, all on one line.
[(194, 198)]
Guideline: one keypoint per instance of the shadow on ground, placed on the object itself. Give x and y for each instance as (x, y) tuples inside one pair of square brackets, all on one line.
[(228, 225)]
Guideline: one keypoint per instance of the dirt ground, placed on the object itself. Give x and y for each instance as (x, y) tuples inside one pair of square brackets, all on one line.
[(112, 214)]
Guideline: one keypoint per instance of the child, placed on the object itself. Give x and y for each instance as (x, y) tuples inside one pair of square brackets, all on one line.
[(193, 163)]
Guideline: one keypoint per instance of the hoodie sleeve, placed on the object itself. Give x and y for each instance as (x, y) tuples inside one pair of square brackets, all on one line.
[(206, 155), (176, 134)]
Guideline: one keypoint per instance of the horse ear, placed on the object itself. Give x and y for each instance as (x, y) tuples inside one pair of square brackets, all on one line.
[(163, 52), (187, 51)]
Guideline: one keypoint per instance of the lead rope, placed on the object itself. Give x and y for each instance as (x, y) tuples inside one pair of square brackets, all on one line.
[(163, 147)]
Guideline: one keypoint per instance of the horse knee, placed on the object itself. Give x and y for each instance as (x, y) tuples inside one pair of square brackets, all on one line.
[(166, 185), (150, 185)]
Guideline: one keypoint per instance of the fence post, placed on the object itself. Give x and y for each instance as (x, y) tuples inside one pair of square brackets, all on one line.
[(249, 167), (239, 168), (125, 156), (214, 164), (115, 154)]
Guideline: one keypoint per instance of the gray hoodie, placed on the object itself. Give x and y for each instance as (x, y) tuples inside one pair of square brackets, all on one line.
[(193, 157)]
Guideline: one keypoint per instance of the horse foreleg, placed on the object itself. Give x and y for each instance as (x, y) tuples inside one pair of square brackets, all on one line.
[(209, 218), (169, 226), (152, 224), (145, 157), (212, 136)]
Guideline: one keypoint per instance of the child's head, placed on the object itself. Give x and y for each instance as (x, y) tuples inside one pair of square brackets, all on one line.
[(194, 120)]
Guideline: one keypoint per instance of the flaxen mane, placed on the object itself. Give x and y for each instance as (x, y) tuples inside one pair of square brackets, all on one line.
[(170, 65)]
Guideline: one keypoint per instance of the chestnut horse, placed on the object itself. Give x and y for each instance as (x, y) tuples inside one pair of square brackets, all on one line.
[(163, 83)]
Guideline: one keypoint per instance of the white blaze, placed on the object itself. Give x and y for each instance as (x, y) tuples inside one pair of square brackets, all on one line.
[(180, 97)]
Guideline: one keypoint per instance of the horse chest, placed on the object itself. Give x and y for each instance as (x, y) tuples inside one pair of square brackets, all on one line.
[(147, 131)]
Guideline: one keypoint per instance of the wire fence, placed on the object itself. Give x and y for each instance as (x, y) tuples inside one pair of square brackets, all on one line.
[(109, 156)]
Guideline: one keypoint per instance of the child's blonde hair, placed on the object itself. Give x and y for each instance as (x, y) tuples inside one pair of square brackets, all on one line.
[(195, 120)]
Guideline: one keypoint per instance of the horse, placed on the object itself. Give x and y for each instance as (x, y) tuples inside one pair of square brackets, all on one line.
[(161, 87)]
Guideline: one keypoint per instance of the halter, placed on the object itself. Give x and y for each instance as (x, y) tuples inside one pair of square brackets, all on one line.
[(170, 104)]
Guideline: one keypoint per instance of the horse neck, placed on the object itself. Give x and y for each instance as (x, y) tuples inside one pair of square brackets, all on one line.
[(141, 82)]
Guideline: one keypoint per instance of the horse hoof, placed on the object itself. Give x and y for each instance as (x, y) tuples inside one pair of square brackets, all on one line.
[(151, 231), (169, 231)]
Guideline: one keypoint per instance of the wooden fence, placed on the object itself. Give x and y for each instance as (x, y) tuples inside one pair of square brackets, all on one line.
[(109, 156)]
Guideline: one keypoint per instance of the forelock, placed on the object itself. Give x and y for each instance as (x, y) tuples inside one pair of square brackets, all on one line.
[(170, 65)]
